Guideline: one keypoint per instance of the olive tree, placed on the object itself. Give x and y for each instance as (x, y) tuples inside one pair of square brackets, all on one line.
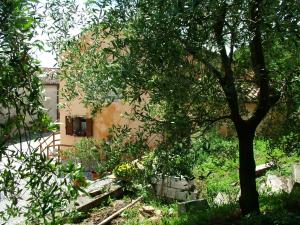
[(195, 62), (31, 186)]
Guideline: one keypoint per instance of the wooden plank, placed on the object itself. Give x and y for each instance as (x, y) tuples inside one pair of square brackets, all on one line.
[(111, 217), (261, 169), (90, 203)]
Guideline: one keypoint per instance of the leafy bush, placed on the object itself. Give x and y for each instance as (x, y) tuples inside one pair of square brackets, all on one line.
[(226, 214), (290, 143), (171, 159), (216, 166), (125, 171), (40, 189), (88, 153), (124, 145), (279, 209), (104, 155)]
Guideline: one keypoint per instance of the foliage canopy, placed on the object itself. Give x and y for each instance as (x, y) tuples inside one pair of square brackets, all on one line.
[(31, 186), (195, 63)]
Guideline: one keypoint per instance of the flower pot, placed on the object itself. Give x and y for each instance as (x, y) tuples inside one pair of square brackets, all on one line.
[(95, 175)]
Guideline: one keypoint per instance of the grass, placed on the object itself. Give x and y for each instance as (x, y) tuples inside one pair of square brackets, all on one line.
[(221, 162), (219, 167), (279, 209)]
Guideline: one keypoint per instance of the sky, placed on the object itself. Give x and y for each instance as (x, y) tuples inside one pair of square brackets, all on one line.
[(46, 58)]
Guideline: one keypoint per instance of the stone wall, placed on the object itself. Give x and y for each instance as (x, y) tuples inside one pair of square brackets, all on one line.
[(177, 188)]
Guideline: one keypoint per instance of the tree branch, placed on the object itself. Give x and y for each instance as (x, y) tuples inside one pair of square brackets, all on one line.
[(257, 55), (228, 85), (214, 70), (232, 42), (266, 99), (212, 121)]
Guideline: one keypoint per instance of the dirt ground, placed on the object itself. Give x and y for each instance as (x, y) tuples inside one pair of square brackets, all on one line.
[(144, 213), (100, 214)]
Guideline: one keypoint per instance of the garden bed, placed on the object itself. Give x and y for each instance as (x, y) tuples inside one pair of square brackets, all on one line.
[(102, 213)]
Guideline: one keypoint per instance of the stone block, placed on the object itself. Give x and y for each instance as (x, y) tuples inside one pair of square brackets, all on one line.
[(193, 205), (221, 199), (158, 189), (174, 182), (296, 173), (290, 184), (85, 203), (193, 195), (181, 183), (165, 191), (166, 182), (169, 192), (181, 195), (278, 183), (174, 187), (295, 177), (275, 183), (97, 186), (147, 210)]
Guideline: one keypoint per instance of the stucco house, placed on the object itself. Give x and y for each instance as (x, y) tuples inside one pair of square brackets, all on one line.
[(76, 120), (50, 92)]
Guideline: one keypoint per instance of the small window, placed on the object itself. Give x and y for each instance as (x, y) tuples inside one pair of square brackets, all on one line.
[(79, 126)]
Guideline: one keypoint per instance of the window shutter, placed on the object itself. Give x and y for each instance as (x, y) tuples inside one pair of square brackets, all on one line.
[(69, 125), (89, 127)]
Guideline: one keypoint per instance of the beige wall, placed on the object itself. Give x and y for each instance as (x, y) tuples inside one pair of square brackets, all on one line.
[(272, 120), (50, 100), (102, 122), (226, 130), (50, 93)]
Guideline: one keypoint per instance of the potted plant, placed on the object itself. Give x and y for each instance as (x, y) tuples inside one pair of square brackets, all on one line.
[(87, 152)]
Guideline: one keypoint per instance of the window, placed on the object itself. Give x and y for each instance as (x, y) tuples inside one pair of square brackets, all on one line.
[(79, 126)]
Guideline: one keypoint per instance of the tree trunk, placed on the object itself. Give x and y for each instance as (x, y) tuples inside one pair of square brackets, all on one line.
[(249, 196)]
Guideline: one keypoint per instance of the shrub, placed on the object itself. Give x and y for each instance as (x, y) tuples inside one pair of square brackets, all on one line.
[(125, 171), (104, 155), (217, 166), (88, 153)]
